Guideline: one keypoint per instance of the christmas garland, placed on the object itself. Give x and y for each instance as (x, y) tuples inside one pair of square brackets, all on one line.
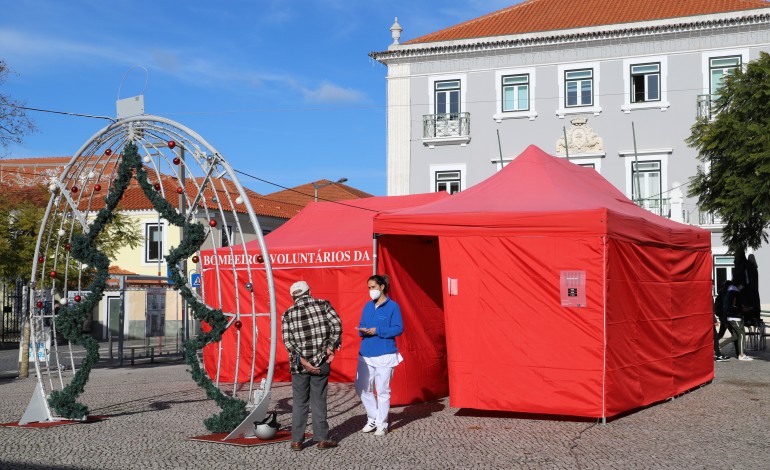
[(233, 410)]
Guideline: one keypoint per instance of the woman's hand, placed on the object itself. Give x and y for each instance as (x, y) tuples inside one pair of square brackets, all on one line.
[(368, 331), (329, 355)]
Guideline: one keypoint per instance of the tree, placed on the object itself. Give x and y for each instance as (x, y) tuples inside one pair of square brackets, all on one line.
[(21, 213), (14, 123), (20, 217), (734, 146)]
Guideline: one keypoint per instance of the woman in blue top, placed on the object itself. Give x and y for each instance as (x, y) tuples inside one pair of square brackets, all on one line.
[(380, 324)]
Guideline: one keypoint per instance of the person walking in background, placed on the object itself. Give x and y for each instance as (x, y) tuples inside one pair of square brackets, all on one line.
[(721, 320), (733, 307), (312, 333), (380, 324)]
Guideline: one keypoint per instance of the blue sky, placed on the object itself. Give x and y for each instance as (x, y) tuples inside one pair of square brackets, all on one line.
[(284, 89)]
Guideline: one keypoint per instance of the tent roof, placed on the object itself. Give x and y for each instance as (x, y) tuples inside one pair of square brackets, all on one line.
[(341, 223), (539, 193)]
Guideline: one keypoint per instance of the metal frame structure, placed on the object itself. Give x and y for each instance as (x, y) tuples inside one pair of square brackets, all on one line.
[(166, 146)]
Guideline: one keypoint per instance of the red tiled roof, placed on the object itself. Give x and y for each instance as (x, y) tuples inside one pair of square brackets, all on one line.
[(118, 271), (16, 174), (549, 15), (303, 194)]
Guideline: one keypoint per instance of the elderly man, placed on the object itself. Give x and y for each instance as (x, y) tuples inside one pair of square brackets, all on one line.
[(312, 332)]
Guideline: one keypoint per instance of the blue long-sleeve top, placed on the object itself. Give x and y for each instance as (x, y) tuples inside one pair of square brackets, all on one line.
[(386, 318)]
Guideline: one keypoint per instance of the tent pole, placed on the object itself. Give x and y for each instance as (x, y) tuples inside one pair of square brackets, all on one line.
[(635, 174), (500, 149), (374, 253), (566, 144)]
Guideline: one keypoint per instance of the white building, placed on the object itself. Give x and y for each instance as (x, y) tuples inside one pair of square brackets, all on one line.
[(465, 100)]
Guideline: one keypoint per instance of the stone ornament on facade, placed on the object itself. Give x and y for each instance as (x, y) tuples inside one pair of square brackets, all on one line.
[(581, 138)]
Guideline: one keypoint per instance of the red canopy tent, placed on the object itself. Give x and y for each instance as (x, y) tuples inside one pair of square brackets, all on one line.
[(329, 245), (560, 295)]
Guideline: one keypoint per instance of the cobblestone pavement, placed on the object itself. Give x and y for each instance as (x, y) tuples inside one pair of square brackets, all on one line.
[(152, 410)]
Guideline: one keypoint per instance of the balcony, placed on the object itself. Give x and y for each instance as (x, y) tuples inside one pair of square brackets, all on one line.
[(446, 129), (659, 206), (703, 104), (709, 218)]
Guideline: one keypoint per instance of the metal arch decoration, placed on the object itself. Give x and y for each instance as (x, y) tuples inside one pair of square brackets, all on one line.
[(193, 166)]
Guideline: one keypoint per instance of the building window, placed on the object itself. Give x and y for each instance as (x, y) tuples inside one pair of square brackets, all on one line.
[(645, 83), (645, 180), (449, 181), (447, 125), (447, 98), (153, 241), (719, 68), (578, 88), (588, 165), (647, 187), (723, 268), (227, 235), (515, 93)]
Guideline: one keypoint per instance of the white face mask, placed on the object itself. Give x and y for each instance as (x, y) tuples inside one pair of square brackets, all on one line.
[(374, 294)]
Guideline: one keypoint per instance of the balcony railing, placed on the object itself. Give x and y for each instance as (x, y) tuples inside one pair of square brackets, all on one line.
[(446, 125), (659, 206), (709, 218), (704, 107)]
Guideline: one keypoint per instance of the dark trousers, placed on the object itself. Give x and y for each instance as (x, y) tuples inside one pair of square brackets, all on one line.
[(717, 351), (309, 390), (737, 334), (722, 327)]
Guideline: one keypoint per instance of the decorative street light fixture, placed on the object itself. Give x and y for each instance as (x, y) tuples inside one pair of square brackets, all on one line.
[(316, 187)]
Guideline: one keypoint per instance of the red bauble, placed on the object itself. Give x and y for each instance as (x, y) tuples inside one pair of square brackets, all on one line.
[(74, 189), (180, 190), (177, 160), (108, 152), (77, 298), (156, 186), (171, 144), (39, 304), (40, 259), (260, 259), (212, 223), (195, 259), (52, 273), (97, 187), (238, 324), (67, 246)]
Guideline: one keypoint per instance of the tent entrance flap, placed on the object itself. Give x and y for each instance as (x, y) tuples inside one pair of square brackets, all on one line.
[(414, 266)]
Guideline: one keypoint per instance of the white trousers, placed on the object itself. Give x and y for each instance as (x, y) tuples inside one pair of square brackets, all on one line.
[(369, 379)]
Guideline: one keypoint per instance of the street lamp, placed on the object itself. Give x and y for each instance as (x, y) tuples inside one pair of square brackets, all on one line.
[(316, 187)]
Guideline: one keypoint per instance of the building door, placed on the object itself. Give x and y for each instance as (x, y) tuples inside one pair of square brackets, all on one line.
[(647, 187), (447, 108), (723, 270), (113, 318)]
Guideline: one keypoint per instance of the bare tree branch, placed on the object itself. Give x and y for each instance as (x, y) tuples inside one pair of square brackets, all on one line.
[(14, 123)]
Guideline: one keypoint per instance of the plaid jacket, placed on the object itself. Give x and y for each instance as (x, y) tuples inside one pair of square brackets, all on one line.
[(308, 328)]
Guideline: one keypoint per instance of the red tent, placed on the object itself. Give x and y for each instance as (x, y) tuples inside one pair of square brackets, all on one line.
[(560, 295), (329, 245)]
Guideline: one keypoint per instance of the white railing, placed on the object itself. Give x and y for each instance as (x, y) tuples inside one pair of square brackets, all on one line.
[(446, 125), (709, 218), (703, 104), (659, 206)]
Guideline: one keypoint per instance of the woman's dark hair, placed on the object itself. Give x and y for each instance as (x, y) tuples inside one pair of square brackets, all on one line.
[(383, 280)]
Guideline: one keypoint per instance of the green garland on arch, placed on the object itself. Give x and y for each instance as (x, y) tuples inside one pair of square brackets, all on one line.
[(70, 320), (84, 249)]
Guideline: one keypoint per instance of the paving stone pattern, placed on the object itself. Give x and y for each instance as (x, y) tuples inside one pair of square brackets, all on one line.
[(152, 409)]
